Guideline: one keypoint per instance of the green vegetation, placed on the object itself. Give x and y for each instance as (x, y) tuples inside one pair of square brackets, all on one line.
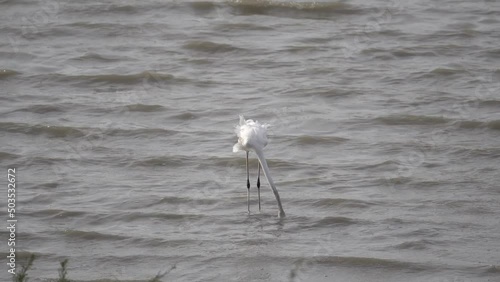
[(22, 276), (160, 275), (63, 272)]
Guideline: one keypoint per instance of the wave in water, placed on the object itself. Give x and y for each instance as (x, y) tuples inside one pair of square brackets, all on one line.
[(403, 119), (293, 9), (7, 73)]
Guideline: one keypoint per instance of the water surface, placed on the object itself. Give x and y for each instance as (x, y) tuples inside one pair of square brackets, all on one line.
[(120, 115)]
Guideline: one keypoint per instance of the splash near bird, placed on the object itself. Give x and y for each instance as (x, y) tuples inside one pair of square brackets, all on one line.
[(252, 136)]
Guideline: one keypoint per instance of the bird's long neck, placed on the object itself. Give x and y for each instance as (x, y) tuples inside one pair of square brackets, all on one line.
[(263, 163)]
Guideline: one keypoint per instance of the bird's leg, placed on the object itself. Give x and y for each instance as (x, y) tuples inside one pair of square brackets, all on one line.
[(258, 184), (248, 188)]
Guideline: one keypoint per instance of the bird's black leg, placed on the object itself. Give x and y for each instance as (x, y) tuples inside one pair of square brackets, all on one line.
[(258, 185), (248, 187)]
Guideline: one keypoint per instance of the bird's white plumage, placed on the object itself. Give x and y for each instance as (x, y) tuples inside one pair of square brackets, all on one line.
[(252, 136)]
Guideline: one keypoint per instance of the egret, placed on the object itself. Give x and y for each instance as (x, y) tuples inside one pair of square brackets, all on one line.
[(252, 136)]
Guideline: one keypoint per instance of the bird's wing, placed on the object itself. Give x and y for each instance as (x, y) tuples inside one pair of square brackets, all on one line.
[(237, 147)]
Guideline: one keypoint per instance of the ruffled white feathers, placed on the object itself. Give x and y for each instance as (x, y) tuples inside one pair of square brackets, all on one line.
[(251, 135)]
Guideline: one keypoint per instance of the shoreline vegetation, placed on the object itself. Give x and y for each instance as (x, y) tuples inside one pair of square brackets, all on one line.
[(22, 275)]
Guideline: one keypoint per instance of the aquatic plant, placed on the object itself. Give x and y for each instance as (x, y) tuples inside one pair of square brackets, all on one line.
[(22, 275)]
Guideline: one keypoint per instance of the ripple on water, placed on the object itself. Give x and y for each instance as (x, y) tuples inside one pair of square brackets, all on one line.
[(419, 245), (145, 108), (4, 73), (91, 235), (44, 109), (371, 262), (335, 203), (295, 9), (333, 221), (38, 129), (404, 119), (315, 140), (210, 47)]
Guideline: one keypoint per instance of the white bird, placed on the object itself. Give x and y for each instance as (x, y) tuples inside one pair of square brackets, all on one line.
[(252, 136)]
